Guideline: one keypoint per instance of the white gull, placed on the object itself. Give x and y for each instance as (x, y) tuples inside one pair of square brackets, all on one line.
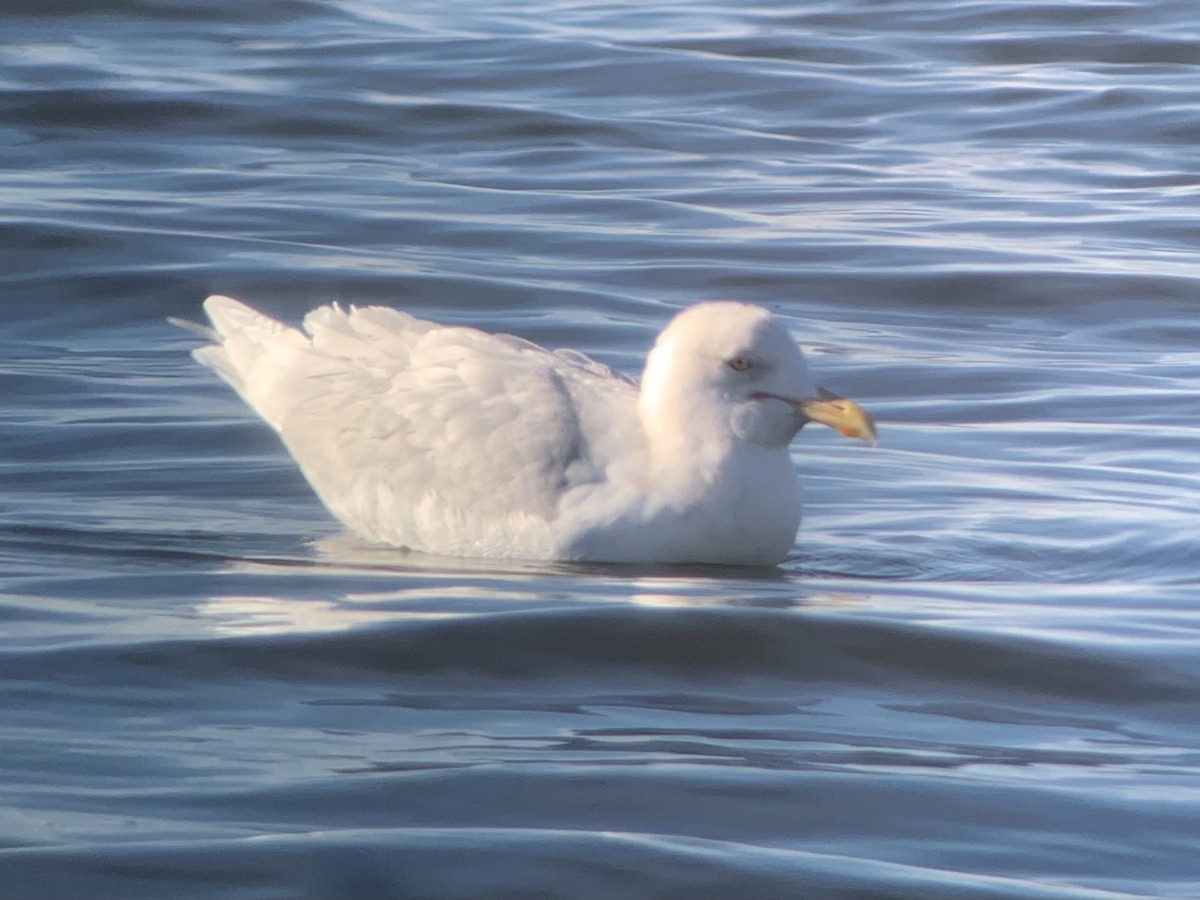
[(452, 441)]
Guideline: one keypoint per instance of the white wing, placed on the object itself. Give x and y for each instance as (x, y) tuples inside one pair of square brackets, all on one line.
[(444, 439)]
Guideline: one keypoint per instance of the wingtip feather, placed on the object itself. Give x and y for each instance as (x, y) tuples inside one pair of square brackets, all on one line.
[(202, 331)]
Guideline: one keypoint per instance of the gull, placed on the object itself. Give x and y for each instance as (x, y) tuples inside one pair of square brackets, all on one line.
[(448, 440)]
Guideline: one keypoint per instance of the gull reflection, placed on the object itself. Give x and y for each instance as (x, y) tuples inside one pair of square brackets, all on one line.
[(349, 584)]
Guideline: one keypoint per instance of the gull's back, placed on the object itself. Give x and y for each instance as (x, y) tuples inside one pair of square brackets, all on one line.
[(442, 439)]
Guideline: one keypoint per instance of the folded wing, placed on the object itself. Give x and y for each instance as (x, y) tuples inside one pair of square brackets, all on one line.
[(444, 439)]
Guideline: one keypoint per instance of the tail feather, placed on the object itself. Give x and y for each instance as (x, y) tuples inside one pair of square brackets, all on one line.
[(254, 354)]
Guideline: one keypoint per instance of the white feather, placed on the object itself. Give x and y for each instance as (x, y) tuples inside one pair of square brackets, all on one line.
[(453, 441)]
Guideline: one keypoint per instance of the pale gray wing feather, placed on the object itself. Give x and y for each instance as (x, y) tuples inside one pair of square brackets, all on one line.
[(443, 438)]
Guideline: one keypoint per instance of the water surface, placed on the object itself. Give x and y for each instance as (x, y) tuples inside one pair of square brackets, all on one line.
[(975, 676)]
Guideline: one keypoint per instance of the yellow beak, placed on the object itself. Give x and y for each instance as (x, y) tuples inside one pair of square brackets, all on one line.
[(844, 416)]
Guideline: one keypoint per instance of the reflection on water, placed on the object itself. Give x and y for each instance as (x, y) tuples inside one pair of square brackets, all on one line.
[(442, 587), (272, 615)]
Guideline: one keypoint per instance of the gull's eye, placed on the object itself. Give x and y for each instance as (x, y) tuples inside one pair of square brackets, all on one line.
[(740, 363)]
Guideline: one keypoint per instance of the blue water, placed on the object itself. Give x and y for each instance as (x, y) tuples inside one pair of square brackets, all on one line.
[(976, 676)]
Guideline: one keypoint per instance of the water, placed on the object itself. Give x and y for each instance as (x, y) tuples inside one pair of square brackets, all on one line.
[(976, 676)]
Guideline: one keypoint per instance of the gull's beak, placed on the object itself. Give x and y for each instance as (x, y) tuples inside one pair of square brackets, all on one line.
[(844, 416)]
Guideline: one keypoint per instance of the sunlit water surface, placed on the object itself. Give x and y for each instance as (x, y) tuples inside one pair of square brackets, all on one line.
[(976, 675)]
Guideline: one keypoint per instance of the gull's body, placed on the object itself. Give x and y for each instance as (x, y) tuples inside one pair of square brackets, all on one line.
[(448, 440)]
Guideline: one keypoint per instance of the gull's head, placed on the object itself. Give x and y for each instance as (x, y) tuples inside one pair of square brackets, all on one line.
[(733, 369)]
